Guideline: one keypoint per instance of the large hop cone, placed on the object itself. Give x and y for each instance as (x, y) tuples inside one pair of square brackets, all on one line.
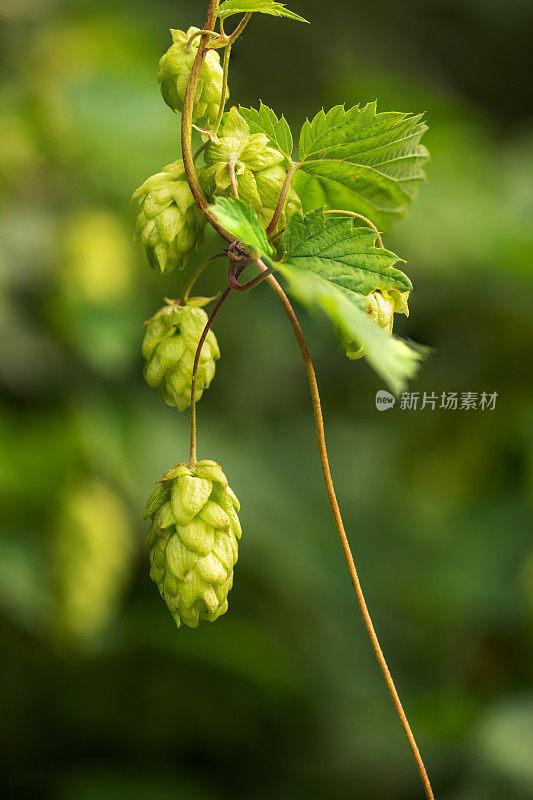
[(193, 541), (92, 550), (169, 222), (259, 169), (169, 348), (174, 72)]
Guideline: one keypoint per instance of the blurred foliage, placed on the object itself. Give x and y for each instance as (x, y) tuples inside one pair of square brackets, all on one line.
[(281, 698)]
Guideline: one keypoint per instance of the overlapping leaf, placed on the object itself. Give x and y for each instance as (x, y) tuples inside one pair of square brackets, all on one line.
[(265, 121), (363, 161), (324, 262), (341, 252), (241, 220), (229, 7)]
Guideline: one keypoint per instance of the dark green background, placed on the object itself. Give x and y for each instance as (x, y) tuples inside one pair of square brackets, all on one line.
[(281, 698)]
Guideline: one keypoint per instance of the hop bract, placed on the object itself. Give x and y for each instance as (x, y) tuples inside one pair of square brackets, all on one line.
[(169, 222), (258, 168), (174, 72), (193, 541), (381, 306), (169, 347)]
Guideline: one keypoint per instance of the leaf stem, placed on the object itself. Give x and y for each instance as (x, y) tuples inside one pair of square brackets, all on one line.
[(321, 438), (218, 306), (359, 216), (282, 198)]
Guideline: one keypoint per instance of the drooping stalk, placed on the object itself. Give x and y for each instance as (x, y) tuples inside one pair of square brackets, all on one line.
[(218, 306), (196, 274), (186, 131)]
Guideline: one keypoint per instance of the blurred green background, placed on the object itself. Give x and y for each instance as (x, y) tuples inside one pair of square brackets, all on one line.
[(100, 695)]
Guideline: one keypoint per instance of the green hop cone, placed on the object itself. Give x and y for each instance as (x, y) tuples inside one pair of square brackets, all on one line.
[(169, 348), (91, 557), (174, 72), (259, 170), (381, 306), (193, 541), (169, 223)]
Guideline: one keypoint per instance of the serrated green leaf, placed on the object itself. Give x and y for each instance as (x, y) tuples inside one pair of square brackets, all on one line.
[(229, 7), (362, 161), (390, 357), (266, 121), (341, 252), (241, 220)]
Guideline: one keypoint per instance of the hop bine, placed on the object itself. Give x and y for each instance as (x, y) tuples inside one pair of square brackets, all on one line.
[(169, 347), (174, 72), (193, 541), (258, 169), (169, 223)]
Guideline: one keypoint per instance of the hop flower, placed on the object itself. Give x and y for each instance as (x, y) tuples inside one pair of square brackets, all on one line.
[(381, 305), (169, 348), (169, 222), (174, 72), (259, 169), (193, 541), (92, 549)]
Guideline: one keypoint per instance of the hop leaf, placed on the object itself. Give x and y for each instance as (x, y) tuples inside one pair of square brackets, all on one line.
[(193, 541), (169, 348), (259, 169), (174, 72), (169, 223)]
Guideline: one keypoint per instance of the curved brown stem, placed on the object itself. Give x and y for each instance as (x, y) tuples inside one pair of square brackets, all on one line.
[(218, 306), (321, 438), (196, 274), (282, 198)]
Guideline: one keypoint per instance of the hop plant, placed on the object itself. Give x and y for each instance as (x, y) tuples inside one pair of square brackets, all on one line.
[(92, 548), (169, 347), (193, 541), (169, 222), (174, 72), (259, 170)]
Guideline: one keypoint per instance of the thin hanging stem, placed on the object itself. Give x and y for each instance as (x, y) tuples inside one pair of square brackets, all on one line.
[(218, 306), (281, 200), (358, 216), (196, 274), (321, 438), (233, 177)]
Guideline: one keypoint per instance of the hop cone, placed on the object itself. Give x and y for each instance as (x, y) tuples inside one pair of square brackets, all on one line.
[(169, 222), (259, 169), (193, 541), (169, 348), (92, 549), (174, 71), (381, 305)]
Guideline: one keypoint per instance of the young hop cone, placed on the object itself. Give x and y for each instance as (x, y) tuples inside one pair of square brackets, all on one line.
[(193, 541), (259, 169), (381, 306), (169, 348), (174, 72), (169, 223)]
